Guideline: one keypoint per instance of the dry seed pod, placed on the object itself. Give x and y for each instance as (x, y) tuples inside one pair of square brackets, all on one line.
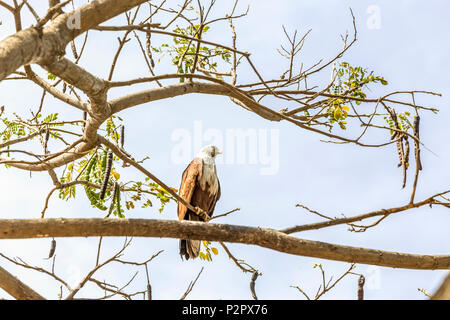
[(406, 158), (122, 135), (400, 150), (84, 118), (416, 144), (74, 49), (148, 47), (252, 285), (149, 292), (52, 249), (47, 136), (361, 281), (405, 162), (106, 176)]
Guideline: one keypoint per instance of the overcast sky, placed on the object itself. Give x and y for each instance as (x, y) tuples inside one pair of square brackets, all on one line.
[(404, 41)]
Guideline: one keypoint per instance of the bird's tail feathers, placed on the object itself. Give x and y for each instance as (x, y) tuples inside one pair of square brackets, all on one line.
[(193, 248), (183, 251), (189, 249)]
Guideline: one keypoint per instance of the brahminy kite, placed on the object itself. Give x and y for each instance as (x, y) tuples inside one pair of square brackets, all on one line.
[(200, 187)]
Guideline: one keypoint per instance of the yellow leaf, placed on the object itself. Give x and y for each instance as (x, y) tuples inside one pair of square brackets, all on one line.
[(337, 113), (70, 166), (215, 251), (115, 174), (346, 108)]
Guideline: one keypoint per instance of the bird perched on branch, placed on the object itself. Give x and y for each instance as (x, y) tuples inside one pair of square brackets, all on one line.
[(200, 187)]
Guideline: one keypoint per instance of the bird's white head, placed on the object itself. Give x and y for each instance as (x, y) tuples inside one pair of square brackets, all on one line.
[(209, 152)]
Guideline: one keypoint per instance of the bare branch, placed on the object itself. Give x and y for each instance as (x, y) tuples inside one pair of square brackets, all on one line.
[(191, 285)]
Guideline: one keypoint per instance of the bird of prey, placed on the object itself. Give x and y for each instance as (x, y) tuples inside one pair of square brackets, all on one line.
[(200, 187)]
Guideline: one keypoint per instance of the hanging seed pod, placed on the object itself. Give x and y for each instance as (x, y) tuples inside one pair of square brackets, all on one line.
[(113, 200), (406, 158), (394, 135), (400, 151), (148, 47), (89, 168), (416, 144), (403, 154), (361, 282), (107, 173), (149, 292), (74, 49), (104, 159), (47, 136), (252, 285), (52, 249), (92, 196), (84, 118), (122, 135), (117, 199), (393, 115), (405, 162), (394, 118)]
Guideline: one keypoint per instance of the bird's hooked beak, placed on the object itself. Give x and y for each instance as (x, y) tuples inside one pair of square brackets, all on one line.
[(219, 151)]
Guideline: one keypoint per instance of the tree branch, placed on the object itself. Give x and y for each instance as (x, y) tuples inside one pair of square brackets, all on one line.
[(443, 293), (17, 288), (45, 44), (263, 237)]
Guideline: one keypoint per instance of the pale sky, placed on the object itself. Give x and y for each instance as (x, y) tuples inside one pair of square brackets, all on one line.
[(407, 47)]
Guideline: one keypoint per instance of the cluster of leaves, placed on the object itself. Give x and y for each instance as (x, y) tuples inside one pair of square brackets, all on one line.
[(16, 128), (161, 194), (183, 51), (208, 249), (51, 76), (13, 129), (92, 169), (350, 81), (112, 128), (338, 112)]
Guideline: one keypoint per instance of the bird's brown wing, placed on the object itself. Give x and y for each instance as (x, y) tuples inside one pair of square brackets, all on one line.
[(214, 201), (189, 179)]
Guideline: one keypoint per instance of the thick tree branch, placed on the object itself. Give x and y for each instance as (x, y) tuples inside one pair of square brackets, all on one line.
[(171, 91), (443, 293), (45, 44), (263, 237), (17, 288), (75, 151)]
